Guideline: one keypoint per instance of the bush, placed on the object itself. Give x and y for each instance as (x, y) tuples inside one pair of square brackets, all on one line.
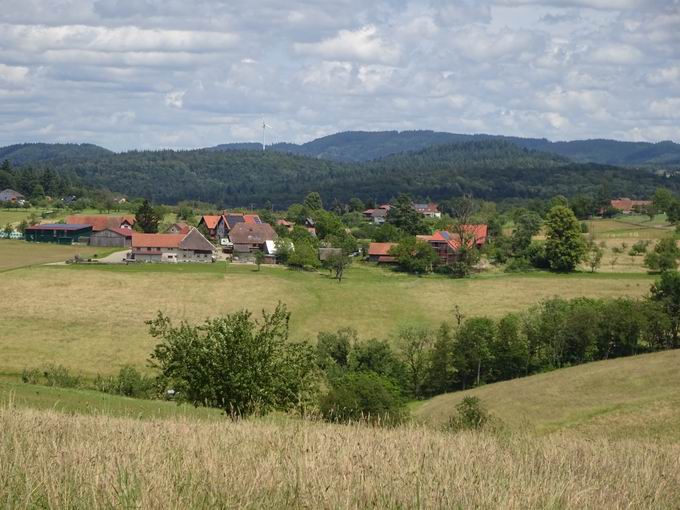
[(129, 383), (30, 376), (59, 376), (518, 265), (363, 396), (471, 415)]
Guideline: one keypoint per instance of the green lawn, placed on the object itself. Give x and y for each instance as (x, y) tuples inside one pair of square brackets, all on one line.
[(94, 402), (634, 397)]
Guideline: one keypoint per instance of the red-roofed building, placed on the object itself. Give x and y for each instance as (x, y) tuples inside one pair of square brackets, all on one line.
[(191, 247), (628, 206), (215, 225), (101, 221), (430, 210), (178, 228), (447, 244), (380, 253)]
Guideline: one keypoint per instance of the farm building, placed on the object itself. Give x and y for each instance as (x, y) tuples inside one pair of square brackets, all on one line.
[(191, 247), (112, 237), (60, 233), (379, 252), (251, 237), (101, 221), (377, 215), (178, 228), (430, 210), (628, 206), (447, 244), (9, 195), (214, 224)]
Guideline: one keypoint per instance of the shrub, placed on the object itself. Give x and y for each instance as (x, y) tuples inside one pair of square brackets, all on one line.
[(470, 415), (363, 396), (30, 376), (58, 375)]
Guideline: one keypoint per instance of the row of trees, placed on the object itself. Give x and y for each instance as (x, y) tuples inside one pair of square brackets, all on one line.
[(247, 366)]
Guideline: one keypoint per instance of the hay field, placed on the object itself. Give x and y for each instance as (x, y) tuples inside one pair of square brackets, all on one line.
[(48, 459), (91, 319), (17, 254), (634, 397)]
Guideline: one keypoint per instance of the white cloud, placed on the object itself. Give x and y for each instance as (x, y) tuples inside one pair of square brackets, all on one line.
[(175, 98), (616, 54), (363, 44)]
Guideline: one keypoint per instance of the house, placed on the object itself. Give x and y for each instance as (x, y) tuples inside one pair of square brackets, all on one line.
[(178, 228), (286, 224), (447, 244), (60, 233), (102, 221), (377, 215), (380, 253), (430, 210), (628, 206), (112, 237), (191, 247), (249, 237), (11, 196), (214, 224)]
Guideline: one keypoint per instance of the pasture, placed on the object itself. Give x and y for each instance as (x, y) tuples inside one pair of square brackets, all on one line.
[(17, 254), (635, 397), (91, 319)]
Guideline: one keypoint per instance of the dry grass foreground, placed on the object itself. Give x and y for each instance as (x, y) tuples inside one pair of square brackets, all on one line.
[(52, 460), (92, 319)]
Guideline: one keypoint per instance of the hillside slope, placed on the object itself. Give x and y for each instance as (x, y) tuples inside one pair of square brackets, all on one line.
[(369, 145), (493, 170), (627, 397), (52, 153)]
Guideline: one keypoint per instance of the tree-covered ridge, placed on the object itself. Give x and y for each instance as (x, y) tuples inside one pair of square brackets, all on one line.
[(370, 145), (492, 170), (52, 153)]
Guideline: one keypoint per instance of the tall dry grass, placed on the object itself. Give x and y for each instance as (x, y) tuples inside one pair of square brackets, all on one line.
[(53, 460)]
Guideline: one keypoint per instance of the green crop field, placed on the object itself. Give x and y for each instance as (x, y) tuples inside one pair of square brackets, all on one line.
[(635, 397), (91, 319)]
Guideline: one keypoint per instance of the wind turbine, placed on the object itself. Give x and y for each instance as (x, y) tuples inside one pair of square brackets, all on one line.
[(265, 126)]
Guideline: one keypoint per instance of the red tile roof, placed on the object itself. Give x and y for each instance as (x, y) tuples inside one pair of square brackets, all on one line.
[(626, 204), (140, 240), (211, 221), (252, 219), (379, 249), (100, 221), (426, 208)]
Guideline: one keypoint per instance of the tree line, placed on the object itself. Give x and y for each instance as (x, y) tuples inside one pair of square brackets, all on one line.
[(245, 366)]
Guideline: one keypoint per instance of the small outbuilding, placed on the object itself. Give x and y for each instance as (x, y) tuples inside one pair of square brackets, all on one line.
[(60, 233), (112, 237)]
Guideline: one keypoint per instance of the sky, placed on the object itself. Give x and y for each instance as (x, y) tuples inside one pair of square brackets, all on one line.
[(147, 74)]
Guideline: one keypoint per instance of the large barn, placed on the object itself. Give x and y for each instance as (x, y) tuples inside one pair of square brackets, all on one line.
[(60, 233)]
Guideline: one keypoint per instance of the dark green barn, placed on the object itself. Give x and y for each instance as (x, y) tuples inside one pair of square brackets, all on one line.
[(60, 233)]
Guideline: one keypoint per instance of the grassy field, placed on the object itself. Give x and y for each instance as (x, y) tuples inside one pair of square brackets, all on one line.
[(50, 459), (91, 319), (80, 401), (18, 254), (636, 397)]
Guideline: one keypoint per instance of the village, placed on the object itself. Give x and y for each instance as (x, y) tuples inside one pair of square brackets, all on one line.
[(244, 237)]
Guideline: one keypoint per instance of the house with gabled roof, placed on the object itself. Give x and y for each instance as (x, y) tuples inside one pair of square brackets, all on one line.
[(629, 206), (14, 197), (112, 237), (102, 221), (380, 253), (191, 247), (251, 237), (215, 225), (178, 228), (447, 244), (429, 210)]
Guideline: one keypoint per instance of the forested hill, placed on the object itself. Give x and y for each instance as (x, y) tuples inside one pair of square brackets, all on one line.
[(492, 170), (53, 153), (365, 146)]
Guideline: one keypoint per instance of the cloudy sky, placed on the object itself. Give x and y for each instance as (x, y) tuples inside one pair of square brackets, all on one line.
[(130, 74)]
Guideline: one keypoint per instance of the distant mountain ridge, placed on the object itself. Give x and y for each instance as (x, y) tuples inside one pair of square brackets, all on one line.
[(357, 146), (56, 153), (490, 169)]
